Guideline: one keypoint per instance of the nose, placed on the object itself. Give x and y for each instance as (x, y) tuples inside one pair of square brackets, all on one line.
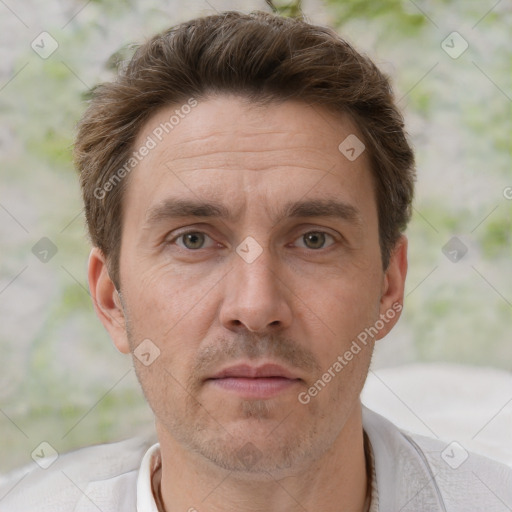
[(255, 297)]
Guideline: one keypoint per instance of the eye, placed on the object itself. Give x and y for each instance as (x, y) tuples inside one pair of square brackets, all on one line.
[(315, 239), (191, 240)]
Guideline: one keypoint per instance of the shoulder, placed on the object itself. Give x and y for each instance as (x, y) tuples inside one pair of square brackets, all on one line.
[(417, 472), (465, 478), (102, 475)]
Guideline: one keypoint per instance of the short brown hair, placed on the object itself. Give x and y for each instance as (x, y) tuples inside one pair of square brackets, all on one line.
[(263, 57)]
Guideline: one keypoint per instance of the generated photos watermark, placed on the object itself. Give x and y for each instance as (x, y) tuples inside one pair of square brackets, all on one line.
[(344, 359), (151, 142)]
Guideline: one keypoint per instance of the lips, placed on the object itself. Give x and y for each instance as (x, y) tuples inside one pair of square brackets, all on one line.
[(254, 382), (250, 372)]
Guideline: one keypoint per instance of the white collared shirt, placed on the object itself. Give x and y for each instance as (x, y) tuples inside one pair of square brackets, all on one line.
[(412, 473)]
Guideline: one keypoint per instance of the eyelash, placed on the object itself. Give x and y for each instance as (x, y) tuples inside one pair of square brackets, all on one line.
[(183, 234)]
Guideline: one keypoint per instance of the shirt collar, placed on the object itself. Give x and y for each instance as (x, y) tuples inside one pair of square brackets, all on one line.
[(150, 463), (404, 477)]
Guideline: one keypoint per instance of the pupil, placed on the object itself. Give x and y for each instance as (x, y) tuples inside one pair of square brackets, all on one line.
[(193, 240), (316, 239)]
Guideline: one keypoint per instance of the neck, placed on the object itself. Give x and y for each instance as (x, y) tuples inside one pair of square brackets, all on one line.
[(334, 482)]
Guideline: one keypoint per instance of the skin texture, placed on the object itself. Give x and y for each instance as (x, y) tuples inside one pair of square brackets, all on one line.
[(317, 283)]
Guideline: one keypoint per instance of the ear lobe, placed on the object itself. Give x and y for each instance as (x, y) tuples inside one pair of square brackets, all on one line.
[(391, 302), (106, 300)]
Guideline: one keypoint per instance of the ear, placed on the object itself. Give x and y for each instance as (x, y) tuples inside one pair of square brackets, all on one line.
[(107, 302), (393, 285)]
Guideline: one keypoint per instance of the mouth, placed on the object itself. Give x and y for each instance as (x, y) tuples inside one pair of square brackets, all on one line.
[(254, 382)]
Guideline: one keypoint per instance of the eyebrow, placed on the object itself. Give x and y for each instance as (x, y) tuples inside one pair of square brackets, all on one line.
[(323, 208), (173, 208), (177, 208)]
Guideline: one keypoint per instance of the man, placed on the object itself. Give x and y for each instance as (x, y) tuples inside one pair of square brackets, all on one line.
[(247, 182)]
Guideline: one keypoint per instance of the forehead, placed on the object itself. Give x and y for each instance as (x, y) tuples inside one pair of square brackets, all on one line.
[(225, 148)]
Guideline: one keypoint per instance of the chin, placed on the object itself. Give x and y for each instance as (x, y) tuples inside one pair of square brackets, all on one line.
[(259, 450)]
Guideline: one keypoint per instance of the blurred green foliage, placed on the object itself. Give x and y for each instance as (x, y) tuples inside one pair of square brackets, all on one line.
[(288, 9), (396, 14)]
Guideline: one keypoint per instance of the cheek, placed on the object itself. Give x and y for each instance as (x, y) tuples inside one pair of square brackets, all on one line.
[(349, 303), (164, 295), (164, 387), (167, 313), (344, 311)]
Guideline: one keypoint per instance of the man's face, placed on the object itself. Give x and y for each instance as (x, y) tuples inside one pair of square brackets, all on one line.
[(250, 258)]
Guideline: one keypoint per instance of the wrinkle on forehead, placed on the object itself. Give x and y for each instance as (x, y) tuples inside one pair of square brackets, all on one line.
[(217, 152), (222, 127)]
